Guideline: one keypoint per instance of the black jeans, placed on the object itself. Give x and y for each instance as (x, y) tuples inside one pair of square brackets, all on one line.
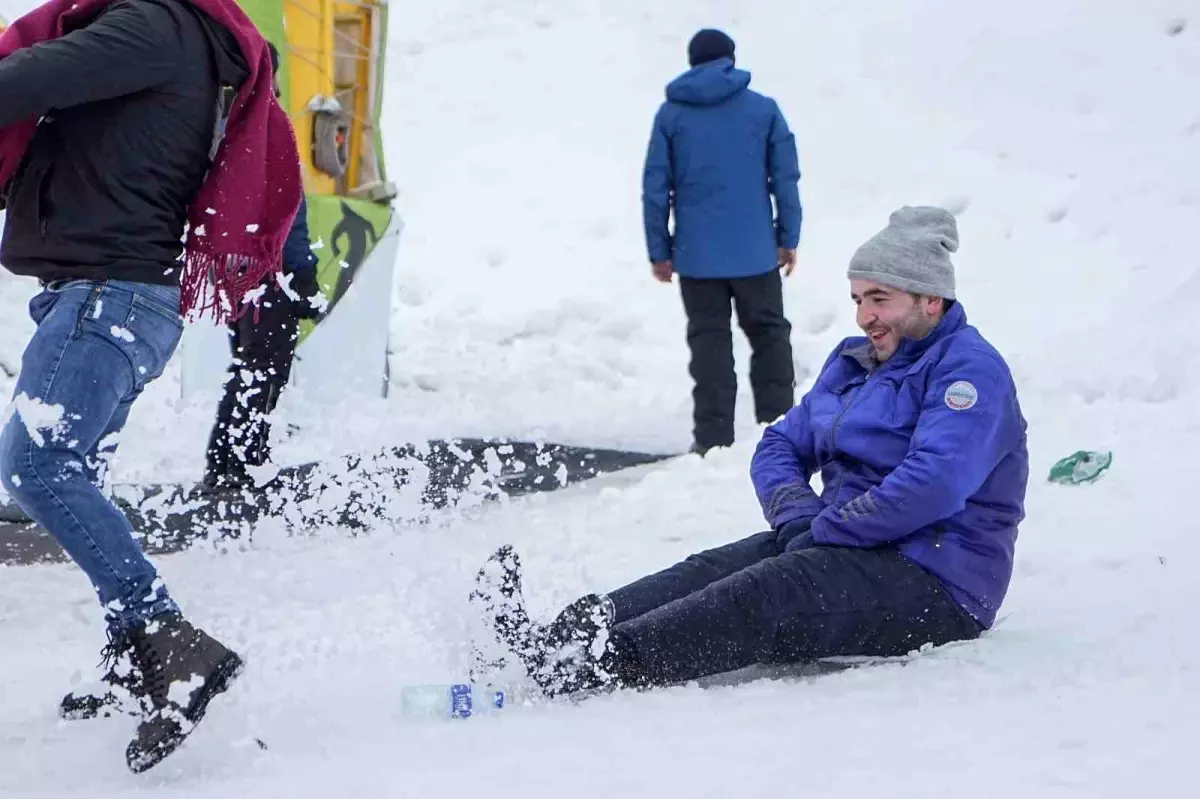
[(263, 351), (749, 602), (759, 304)]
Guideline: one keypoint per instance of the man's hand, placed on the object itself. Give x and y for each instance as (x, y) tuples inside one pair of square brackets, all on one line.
[(310, 301), (787, 260), (795, 535), (662, 271)]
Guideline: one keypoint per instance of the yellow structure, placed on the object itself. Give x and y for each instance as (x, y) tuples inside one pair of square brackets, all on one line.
[(332, 89)]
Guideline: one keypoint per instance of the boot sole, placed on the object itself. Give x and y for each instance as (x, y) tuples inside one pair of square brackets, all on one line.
[(97, 710), (521, 639), (218, 683)]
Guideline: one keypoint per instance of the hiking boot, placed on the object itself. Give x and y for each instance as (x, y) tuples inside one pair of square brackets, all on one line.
[(120, 689), (573, 653), (584, 623), (182, 670), (579, 649)]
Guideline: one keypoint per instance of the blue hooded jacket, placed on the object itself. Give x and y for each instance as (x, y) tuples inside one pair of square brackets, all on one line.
[(718, 152), (926, 451)]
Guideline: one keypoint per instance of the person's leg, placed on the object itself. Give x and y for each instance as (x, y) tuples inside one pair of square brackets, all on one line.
[(95, 348), (801, 606), (264, 349), (691, 574), (99, 469), (759, 304), (269, 358), (710, 342), (218, 451), (502, 605)]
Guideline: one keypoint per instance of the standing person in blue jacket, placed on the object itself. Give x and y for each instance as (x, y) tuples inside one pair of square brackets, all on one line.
[(718, 153), (918, 436), (263, 349)]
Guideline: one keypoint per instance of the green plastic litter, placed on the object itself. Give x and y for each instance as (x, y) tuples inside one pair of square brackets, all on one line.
[(1084, 466)]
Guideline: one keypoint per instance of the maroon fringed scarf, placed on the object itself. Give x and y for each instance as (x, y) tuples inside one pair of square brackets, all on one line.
[(240, 218)]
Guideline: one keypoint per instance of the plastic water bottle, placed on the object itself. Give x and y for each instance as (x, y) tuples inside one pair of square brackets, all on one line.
[(454, 701)]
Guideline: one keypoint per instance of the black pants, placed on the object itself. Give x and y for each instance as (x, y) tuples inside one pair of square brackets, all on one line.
[(262, 364), (759, 303), (749, 602)]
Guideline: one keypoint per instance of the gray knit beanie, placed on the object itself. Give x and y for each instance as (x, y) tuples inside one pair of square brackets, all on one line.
[(912, 253)]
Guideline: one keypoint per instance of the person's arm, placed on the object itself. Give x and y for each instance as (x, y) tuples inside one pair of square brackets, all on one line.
[(951, 455), (781, 468), (300, 264), (657, 185), (298, 255), (783, 464), (783, 166), (131, 46)]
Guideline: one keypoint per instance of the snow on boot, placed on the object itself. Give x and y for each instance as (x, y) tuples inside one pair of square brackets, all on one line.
[(579, 653), (120, 689), (573, 653), (581, 623), (498, 598), (183, 669)]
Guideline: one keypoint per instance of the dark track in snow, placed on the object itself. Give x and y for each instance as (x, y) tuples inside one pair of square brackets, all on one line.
[(354, 493)]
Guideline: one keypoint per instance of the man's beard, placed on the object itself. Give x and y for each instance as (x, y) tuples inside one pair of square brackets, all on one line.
[(915, 326)]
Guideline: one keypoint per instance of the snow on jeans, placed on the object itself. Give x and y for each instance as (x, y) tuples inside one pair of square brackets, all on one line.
[(754, 601), (97, 346)]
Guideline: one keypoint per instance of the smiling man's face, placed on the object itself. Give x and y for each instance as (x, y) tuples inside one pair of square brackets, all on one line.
[(887, 315)]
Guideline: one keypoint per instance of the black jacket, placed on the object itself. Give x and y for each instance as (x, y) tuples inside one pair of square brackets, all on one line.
[(128, 106)]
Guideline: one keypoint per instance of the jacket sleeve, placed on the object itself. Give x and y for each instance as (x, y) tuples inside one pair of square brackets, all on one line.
[(297, 248), (783, 464), (783, 165), (658, 184), (130, 47), (781, 468), (951, 455)]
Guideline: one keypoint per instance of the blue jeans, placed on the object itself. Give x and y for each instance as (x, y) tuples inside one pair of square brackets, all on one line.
[(98, 344)]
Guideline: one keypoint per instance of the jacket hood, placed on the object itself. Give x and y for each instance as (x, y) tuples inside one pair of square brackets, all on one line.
[(708, 84)]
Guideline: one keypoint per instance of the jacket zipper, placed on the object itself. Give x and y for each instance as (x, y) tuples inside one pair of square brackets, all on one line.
[(833, 432)]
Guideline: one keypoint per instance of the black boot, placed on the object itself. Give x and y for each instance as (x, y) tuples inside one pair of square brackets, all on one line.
[(583, 653), (573, 653), (182, 669), (121, 688)]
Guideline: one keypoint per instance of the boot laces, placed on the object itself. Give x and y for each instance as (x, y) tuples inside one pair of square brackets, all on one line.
[(118, 644), (152, 665)]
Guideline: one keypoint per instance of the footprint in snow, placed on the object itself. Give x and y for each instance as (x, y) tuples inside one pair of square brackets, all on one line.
[(1057, 215)]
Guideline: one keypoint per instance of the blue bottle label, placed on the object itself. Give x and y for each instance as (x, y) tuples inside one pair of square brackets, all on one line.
[(460, 701)]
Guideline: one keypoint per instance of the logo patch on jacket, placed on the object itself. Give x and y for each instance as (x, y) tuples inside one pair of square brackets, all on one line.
[(961, 395)]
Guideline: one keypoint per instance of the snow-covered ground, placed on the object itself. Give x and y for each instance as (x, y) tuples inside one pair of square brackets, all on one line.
[(1068, 136)]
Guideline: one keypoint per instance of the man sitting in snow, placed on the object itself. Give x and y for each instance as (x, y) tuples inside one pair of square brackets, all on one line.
[(920, 442)]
